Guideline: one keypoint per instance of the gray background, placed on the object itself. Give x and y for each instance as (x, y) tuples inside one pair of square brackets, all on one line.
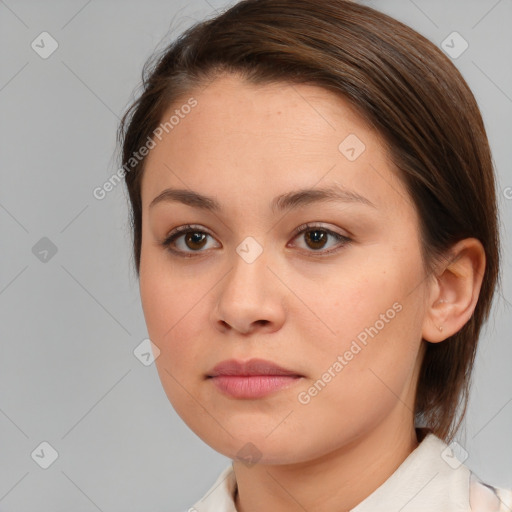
[(70, 324)]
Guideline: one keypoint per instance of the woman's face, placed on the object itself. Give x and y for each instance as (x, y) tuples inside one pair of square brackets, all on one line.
[(344, 314)]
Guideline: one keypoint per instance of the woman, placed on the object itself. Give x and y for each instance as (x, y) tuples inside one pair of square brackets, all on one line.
[(315, 234)]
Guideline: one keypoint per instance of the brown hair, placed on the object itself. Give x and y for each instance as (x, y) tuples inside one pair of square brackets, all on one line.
[(404, 87)]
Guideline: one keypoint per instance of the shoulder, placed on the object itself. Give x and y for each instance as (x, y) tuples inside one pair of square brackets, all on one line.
[(487, 498)]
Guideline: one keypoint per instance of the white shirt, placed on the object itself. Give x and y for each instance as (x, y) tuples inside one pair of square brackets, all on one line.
[(430, 479)]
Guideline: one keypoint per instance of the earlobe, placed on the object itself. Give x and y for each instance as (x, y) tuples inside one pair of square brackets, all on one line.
[(455, 291)]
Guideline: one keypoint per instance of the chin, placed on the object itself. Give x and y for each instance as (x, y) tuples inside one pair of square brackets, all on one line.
[(259, 449)]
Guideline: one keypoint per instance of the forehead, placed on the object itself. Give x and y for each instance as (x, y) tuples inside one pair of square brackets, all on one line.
[(263, 140)]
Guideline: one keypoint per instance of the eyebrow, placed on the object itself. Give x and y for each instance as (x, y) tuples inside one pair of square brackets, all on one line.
[(290, 200)]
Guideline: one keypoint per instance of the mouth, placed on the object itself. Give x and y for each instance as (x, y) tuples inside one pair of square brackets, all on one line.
[(252, 379)]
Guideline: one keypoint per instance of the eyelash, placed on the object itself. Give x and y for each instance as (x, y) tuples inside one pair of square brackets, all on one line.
[(304, 228)]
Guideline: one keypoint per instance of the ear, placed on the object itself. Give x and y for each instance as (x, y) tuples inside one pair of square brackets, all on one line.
[(454, 290)]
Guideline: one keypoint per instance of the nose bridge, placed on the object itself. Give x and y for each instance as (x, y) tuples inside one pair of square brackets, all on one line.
[(248, 295), (249, 265)]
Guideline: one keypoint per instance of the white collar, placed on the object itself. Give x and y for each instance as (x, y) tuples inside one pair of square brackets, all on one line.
[(428, 480)]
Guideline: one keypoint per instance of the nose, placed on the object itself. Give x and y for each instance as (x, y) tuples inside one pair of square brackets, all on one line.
[(250, 298)]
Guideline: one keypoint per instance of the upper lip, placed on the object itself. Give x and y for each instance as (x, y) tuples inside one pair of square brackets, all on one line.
[(250, 367)]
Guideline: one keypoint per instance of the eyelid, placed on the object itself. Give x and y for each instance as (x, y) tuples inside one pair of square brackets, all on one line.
[(319, 226), (185, 228)]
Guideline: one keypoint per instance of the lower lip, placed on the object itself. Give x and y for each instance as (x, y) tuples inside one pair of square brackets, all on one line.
[(253, 386)]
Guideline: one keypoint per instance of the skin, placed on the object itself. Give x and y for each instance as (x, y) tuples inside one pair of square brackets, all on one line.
[(243, 145)]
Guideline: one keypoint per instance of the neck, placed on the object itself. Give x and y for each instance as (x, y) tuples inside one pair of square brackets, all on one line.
[(337, 481)]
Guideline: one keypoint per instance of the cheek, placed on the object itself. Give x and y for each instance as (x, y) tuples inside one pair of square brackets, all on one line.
[(356, 295), (364, 372), (370, 331), (173, 311)]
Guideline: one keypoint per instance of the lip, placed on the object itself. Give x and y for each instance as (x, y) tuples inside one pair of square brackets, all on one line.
[(250, 368), (251, 379)]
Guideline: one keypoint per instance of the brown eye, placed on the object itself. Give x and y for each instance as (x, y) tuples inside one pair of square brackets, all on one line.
[(316, 238), (186, 240), (195, 239)]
